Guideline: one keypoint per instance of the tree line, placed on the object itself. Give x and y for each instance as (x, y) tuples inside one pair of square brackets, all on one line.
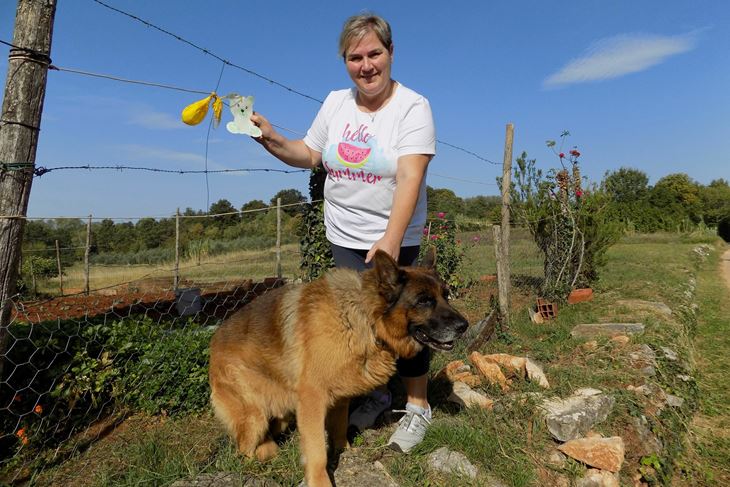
[(674, 203)]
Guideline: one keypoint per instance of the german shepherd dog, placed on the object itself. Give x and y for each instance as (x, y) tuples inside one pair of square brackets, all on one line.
[(309, 348)]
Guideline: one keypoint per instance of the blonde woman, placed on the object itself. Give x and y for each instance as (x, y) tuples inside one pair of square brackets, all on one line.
[(375, 141)]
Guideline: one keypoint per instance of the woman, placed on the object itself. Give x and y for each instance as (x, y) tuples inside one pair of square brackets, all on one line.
[(375, 142)]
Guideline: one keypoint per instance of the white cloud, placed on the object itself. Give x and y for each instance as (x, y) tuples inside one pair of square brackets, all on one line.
[(146, 153), (188, 161), (617, 56), (154, 120)]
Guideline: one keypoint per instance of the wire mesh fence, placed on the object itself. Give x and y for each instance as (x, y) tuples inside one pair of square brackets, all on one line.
[(77, 363)]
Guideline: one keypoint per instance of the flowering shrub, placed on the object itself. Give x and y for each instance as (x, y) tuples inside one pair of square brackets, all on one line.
[(440, 234), (566, 220)]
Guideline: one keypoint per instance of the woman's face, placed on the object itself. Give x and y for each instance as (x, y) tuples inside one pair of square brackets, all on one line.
[(368, 64)]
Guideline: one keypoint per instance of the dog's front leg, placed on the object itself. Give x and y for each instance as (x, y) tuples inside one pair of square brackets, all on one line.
[(337, 426), (311, 412)]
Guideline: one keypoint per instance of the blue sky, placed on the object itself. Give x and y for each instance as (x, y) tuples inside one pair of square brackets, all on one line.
[(640, 84)]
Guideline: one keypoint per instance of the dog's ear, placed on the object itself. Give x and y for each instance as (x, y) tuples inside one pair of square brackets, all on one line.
[(428, 259), (390, 276)]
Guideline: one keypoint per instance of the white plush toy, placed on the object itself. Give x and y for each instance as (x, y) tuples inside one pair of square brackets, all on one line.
[(242, 109)]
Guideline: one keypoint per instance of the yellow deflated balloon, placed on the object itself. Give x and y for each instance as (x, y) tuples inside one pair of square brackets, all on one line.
[(194, 113)]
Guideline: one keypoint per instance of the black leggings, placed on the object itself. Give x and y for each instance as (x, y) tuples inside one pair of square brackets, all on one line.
[(355, 259)]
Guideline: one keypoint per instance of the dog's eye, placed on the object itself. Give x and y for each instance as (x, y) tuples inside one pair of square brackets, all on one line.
[(426, 301)]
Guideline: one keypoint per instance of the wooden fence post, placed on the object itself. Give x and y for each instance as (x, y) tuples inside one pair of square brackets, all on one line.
[(278, 238), (502, 275), (505, 230), (176, 280), (25, 89), (32, 278), (86, 257), (60, 271)]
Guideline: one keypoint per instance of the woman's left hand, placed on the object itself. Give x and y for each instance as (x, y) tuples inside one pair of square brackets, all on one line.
[(386, 245)]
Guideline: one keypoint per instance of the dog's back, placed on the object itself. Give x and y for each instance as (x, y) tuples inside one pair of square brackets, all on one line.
[(321, 329), (310, 347)]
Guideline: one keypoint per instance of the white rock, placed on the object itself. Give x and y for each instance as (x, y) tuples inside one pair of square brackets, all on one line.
[(447, 461)]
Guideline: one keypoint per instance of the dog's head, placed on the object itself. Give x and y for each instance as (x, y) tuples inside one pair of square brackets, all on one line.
[(417, 311)]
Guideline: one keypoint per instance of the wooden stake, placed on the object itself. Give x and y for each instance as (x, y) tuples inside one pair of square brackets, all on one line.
[(278, 238), (86, 256), (504, 303), (502, 275), (60, 271), (25, 89), (32, 278), (176, 281)]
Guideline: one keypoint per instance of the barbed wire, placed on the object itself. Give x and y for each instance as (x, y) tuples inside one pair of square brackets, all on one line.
[(51, 249), (27, 49), (53, 67), (461, 180), (202, 92), (174, 215), (207, 51), (256, 74), (40, 171)]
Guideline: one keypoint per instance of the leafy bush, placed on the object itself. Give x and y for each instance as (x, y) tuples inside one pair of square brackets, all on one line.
[(172, 376), (440, 235), (68, 373), (566, 220), (315, 250)]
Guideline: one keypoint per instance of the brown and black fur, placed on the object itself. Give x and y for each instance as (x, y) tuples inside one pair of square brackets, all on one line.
[(308, 348)]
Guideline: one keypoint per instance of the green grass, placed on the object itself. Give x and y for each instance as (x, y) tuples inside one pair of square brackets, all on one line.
[(708, 459), (511, 442)]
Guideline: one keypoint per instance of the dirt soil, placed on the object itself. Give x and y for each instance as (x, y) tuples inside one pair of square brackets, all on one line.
[(151, 297)]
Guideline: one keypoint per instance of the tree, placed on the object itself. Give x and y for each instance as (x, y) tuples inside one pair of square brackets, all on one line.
[(482, 207), (289, 197), (224, 206), (626, 185), (443, 200), (677, 196), (715, 201), (248, 212), (628, 192)]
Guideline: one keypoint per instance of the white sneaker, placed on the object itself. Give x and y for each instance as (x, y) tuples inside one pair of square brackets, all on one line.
[(364, 416), (411, 428)]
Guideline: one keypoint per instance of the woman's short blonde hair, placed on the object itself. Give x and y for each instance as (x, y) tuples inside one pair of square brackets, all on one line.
[(357, 26)]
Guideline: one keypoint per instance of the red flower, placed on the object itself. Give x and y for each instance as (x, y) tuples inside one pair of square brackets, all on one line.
[(578, 194), (434, 237), (574, 153), (441, 214), (425, 230), (38, 409), (561, 155)]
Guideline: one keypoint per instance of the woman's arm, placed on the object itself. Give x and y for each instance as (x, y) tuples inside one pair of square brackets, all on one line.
[(292, 152), (409, 176)]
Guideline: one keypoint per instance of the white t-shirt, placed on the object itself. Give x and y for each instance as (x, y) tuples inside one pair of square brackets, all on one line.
[(360, 153)]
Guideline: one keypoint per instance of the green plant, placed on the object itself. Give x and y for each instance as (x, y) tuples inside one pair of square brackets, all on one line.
[(313, 244), (566, 220), (440, 234), (171, 376), (68, 374)]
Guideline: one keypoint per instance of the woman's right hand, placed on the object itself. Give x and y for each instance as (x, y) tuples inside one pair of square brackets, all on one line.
[(292, 152)]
